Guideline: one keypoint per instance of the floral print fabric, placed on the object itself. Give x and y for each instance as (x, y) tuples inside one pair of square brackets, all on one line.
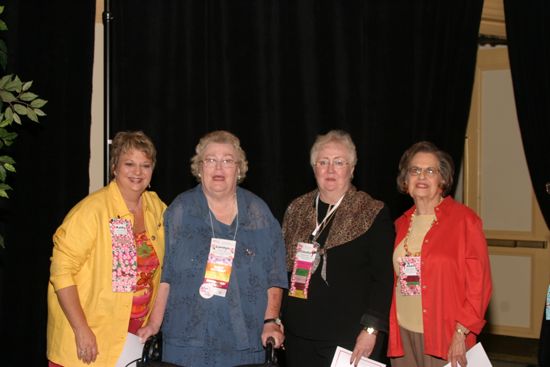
[(147, 264)]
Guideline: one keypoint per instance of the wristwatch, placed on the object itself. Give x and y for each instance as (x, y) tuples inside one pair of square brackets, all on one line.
[(370, 330), (275, 320)]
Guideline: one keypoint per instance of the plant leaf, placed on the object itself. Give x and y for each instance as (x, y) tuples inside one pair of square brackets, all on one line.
[(27, 96), (9, 167), (39, 112), (6, 159), (3, 25), (31, 115), (7, 96), (38, 103), (2, 174), (14, 85), (20, 109), (3, 194), (26, 86), (7, 135), (5, 79), (16, 118), (9, 115)]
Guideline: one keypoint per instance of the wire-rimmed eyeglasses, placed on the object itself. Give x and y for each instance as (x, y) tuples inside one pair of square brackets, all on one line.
[(213, 162), (417, 171), (337, 163)]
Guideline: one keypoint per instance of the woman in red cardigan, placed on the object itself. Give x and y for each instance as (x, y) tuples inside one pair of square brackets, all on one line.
[(442, 273)]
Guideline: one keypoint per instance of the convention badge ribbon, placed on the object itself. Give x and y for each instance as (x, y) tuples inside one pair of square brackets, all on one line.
[(409, 275), (218, 268), (124, 267), (306, 253)]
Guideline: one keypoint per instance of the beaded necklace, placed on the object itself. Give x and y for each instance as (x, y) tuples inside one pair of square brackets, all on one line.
[(409, 231)]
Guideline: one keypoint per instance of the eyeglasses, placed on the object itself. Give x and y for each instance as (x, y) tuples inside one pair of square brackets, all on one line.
[(417, 171), (336, 163), (213, 162)]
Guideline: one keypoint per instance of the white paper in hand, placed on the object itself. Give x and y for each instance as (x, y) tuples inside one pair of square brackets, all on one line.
[(477, 357), (342, 357)]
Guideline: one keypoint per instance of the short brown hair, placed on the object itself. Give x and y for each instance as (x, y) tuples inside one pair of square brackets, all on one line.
[(220, 137), (446, 165), (124, 141)]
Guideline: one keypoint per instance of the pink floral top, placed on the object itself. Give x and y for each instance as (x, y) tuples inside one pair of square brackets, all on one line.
[(147, 265)]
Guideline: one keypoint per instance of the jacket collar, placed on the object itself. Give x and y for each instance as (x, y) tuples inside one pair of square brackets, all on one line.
[(440, 210), (118, 201)]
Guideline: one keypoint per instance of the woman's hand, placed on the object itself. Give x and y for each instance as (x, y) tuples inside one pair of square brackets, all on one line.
[(146, 331), (457, 350), (364, 346), (157, 314), (275, 331), (86, 345)]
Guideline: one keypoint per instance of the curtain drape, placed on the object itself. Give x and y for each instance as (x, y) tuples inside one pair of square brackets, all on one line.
[(528, 33), (277, 73), (51, 43)]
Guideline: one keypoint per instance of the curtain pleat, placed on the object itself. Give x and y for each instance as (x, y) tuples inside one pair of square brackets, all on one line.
[(278, 73), (51, 43), (528, 33)]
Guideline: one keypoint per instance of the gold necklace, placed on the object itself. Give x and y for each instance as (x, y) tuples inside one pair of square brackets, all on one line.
[(409, 231)]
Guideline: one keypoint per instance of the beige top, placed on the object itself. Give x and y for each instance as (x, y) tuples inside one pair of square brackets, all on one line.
[(409, 308)]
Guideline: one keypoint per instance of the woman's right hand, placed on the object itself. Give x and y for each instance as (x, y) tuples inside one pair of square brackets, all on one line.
[(86, 345)]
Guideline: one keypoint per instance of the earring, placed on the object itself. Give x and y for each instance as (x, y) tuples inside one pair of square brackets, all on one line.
[(200, 175), (149, 186)]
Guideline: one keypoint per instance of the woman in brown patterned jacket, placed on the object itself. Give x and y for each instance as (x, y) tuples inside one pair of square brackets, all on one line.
[(339, 245)]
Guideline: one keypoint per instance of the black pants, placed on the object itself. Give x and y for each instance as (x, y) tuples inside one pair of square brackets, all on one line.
[(544, 342), (301, 352)]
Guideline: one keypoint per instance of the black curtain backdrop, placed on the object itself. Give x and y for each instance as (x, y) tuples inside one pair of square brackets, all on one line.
[(528, 33), (277, 73), (51, 43)]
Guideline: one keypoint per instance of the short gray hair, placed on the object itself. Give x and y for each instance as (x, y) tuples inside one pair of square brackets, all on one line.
[(333, 136)]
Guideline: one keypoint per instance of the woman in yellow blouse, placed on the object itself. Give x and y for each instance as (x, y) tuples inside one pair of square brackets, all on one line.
[(106, 262)]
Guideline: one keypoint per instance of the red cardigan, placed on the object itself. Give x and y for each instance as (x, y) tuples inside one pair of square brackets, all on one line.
[(456, 278)]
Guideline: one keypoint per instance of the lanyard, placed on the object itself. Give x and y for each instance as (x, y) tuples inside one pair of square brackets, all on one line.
[(320, 226), (236, 227)]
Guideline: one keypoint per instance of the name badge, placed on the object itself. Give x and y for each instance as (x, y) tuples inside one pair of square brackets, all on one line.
[(124, 267), (302, 269), (409, 275), (218, 268)]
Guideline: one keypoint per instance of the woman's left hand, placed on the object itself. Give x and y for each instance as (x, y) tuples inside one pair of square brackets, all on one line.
[(275, 331), (364, 346), (457, 351)]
